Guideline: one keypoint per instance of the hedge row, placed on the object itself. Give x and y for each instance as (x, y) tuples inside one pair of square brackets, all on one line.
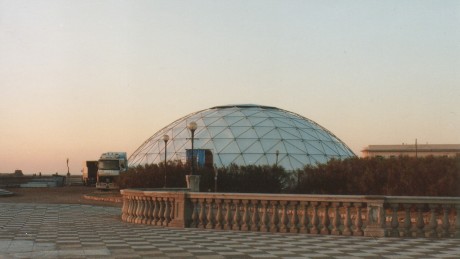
[(431, 176)]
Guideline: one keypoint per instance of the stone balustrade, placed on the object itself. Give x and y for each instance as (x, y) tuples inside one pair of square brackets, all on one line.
[(376, 216)]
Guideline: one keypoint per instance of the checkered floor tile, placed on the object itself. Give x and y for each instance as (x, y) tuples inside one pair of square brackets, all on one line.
[(83, 231)]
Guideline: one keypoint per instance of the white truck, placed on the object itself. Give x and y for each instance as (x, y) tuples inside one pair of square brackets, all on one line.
[(109, 167)]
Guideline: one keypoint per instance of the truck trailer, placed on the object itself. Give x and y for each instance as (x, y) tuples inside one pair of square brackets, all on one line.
[(89, 173)]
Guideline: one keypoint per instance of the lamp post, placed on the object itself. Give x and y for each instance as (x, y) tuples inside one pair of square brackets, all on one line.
[(165, 139), (277, 154), (192, 127)]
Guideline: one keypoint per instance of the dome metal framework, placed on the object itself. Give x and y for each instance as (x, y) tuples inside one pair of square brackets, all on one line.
[(246, 135)]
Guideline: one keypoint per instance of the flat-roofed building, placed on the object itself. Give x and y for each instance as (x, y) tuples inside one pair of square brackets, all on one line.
[(412, 150)]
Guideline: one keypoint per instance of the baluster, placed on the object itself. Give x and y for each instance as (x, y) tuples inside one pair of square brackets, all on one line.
[(245, 219), (162, 211), (202, 216), (456, 231), (219, 217), (167, 212), (315, 218), (336, 221), (264, 220), (358, 231), (124, 209), (173, 208), (420, 224), (407, 231), (294, 218), (194, 217), (394, 220), (156, 211), (347, 221), (133, 209), (255, 215), (433, 223), (445, 221), (150, 211), (138, 212), (284, 217), (236, 216), (129, 209), (228, 215), (210, 216), (146, 208), (304, 220), (275, 217), (325, 221)]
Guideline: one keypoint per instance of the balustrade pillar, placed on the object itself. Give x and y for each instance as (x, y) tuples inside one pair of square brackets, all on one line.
[(156, 211), (445, 220), (210, 215), (275, 217), (336, 222), (194, 217), (236, 215), (167, 215), (294, 222), (375, 218), (394, 232), (255, 215), (325, 220), (284, 217), (315, 218), (245, 220), (347, 222), (219, 217), (264, 226), (202, 217), (304, 221), (456, 232), (358, 229), (432, 225), (228, 215), (407, 230), (420, 224)]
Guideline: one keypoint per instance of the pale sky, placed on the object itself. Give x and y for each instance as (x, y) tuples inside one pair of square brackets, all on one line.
[(79, 78)]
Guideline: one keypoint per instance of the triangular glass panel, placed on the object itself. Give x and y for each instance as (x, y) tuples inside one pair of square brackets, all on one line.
[(226, 133), (243, 144), (254, 148), (232, 119), (232, 147), (220, 144), (266, 123), (269, 144), (251, 159), (250, 133), (260, 131), (273, 134), (308, 135), (297, 147), (290, 133), (237, 131), (214, 130), (314, 147)]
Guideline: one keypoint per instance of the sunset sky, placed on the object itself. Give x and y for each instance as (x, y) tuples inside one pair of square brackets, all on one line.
[(79, 78)]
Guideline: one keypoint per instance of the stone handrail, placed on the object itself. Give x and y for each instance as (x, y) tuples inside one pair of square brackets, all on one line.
[(377, 216)]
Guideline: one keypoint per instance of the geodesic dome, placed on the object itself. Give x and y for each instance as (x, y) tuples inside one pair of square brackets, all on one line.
[(245, 135)]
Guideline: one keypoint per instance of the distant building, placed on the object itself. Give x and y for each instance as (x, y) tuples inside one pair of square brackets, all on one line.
[(412, 150)]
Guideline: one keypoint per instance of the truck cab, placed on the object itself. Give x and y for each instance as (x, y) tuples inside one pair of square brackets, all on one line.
[(109, 167)]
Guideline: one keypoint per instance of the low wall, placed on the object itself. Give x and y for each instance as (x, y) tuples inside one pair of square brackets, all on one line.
[(376, 216)]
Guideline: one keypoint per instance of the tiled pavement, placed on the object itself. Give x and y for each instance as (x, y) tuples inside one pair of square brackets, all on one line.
[(83, 231)]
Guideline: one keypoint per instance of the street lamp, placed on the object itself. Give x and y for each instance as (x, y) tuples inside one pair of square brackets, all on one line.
[(192, 127), (165, 139), (277, 154)]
